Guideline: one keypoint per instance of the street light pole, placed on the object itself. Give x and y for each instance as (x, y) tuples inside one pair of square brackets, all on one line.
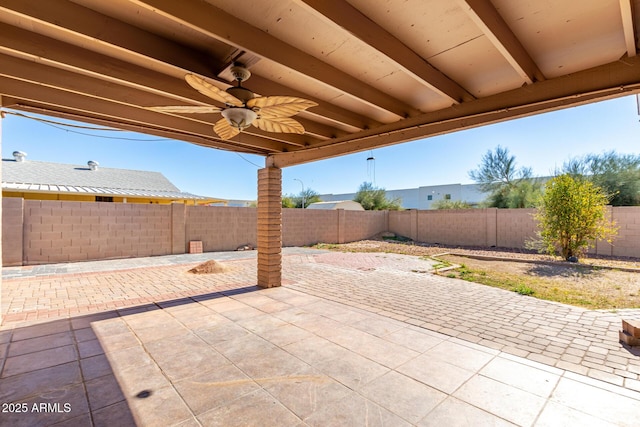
[(301, 183)]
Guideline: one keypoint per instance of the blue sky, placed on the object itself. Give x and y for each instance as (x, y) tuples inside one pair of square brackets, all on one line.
[(542, 142)]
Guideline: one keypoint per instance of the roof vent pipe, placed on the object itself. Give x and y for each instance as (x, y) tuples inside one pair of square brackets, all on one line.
[(93, 165), (19, 156)]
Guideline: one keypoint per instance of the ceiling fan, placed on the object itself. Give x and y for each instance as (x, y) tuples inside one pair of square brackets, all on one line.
[(243, 108)]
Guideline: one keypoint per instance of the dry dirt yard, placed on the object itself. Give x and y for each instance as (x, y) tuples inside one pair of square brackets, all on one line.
[(594, 282)]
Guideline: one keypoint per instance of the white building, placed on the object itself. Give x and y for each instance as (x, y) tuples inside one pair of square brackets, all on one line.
[(348, 205), (424, 197)]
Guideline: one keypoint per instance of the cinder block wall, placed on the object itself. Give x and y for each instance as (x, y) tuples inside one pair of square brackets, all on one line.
[(59, 231), (36, 232), (308, 227), (12, 218), (517, 226), (221, 228), (454, 227), (627, 242), (362, 224)]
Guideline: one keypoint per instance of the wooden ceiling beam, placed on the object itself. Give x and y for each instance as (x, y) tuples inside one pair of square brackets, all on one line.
[(224, 27), (45, 50), (611, 80), (106, 91), (89, 28), (628, 28), (26, 92), (359, 25), (487, 18)]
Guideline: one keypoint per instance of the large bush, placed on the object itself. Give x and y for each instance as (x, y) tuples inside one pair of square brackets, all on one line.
[(572, 216)]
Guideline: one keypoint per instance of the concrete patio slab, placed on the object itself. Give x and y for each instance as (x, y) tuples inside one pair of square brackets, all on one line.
[(321, 350)]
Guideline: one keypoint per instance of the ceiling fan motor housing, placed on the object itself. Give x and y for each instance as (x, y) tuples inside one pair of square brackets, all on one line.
[(240, 73)]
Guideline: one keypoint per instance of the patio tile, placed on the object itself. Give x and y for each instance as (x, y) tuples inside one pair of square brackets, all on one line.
[(166, 331), (202, 322), (261, 323), (555, 414), (95, 366), (274, 307), (272, 364), (505, 401), (436, 373), (222, 334), (40, 330), (5, 335), (403, 396), (258, 408), (84, 420), (303, 394), (138, 379), (384, 352), (224, 305), (286, 334), (90, 348), (84, 334), (215, 388), (243, 347), (73, 395), (460, 355), (110, 326), (117, 414), (117, 342), (17, 387), (161, 407), (103, 391), (32, 345), (354, 410), (83, 322), (456, 413), (586, 398), (181, 343), (413, 340), (39, 360), (524, 377), (128, 357), (188, 364), (352, 370), (315, 350), (378, 326)]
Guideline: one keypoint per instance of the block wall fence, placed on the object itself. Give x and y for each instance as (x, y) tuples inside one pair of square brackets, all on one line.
[(43, 231)]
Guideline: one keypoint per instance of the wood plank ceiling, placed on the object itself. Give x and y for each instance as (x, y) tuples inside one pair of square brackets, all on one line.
[(382, 72)]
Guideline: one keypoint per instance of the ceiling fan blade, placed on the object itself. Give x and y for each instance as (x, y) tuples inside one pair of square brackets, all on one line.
[(211, 91), (189, 109), (280, 106), (278, 125), (224, 129)]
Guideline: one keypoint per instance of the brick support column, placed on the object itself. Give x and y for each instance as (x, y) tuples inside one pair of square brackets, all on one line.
[(269, 227)]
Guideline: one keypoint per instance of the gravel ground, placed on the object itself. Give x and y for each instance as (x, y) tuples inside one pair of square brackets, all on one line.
[(378, 244)]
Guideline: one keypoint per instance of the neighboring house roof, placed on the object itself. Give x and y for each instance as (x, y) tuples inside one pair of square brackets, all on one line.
[(348, 205), (46, 177)]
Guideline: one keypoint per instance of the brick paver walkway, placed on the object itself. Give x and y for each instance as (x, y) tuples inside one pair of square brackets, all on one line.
[(396, 286)]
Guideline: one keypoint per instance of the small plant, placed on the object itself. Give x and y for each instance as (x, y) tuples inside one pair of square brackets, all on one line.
[(524, 290)]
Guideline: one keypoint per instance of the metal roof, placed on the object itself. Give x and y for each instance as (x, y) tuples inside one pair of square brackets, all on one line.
[(381, 72), (47, 177)]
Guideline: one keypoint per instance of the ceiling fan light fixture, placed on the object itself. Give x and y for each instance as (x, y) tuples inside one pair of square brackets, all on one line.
[(239, 118)]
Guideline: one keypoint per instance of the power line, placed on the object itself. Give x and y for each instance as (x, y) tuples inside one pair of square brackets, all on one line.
[(60, 126)]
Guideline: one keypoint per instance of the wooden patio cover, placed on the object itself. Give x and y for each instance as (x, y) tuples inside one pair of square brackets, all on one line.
[(381, 71)]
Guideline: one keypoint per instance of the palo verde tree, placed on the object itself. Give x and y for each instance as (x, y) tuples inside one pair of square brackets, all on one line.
[(572, 216), (617, 174), (375, 199), (509, 186)]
